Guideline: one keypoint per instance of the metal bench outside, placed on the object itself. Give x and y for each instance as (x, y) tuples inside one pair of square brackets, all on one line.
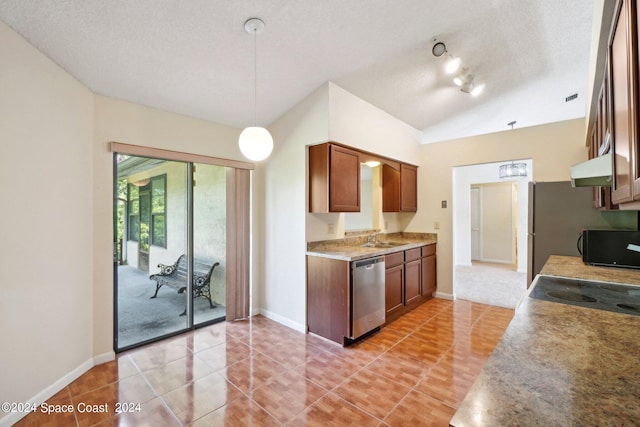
[(175, 276)]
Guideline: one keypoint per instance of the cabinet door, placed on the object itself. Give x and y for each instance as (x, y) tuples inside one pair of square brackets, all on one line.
[(408, 188), (394, 289), (390, 189), (428, 276), (328, 313), (412, 281), (344, 180), (622, 63), (636, 118)]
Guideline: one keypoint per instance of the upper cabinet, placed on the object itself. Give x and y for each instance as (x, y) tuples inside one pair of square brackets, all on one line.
[(334, 180), (622, 60), (600, 139), (408, 188), (399, 188)]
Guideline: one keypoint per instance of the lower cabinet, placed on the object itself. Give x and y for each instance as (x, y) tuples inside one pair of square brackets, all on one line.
[(394, 283), (428, 269), (410, 278), (328, 306)]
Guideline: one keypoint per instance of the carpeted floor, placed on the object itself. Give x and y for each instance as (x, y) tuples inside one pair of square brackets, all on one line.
[(488, 283), (141, 318)]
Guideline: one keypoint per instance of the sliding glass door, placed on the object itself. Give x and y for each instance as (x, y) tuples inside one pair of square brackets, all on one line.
[(170, 223), (151, 224), (209, 242)]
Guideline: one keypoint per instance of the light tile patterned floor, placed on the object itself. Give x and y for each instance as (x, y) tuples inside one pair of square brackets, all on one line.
[(414, 372)]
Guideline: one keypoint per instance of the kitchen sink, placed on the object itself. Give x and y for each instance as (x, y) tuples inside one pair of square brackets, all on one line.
[(585, 293), (383, 244)]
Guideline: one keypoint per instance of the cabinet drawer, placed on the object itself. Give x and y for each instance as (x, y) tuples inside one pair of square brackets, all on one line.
[(412, 254), (429, 250), (393, 259)]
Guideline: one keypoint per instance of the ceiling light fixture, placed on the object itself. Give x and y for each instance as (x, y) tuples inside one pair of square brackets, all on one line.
[(463, 78), (255, 142), (513, 170), (453, 65)]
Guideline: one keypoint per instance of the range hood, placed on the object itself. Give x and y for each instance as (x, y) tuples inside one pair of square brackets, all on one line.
[(594, 172)]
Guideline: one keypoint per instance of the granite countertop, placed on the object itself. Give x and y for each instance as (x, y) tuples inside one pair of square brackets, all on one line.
[(561, 365), (352, 249)]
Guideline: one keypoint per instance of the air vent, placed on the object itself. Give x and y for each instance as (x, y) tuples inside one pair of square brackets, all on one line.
[(571, 97)]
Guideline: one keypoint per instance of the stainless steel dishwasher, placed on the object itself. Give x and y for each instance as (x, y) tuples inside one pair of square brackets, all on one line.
[(367, 295)]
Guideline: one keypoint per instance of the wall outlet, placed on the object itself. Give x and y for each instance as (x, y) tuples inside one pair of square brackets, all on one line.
[(436, 225), (443, 204), (330, 229)]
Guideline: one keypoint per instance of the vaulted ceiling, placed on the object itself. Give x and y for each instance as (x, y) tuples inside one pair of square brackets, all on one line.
[(194, 57)]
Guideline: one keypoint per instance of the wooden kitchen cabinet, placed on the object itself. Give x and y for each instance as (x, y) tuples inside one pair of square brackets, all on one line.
[(600, 140), (408, 188), (399, 188), (412, 282), (328, 298), (412, 276), (394, 283), (334, 179), (410, 279), (429, 273), (623, 72), (390, 189)]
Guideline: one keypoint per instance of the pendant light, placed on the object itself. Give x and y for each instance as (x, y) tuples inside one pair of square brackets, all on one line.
[(255, 142)]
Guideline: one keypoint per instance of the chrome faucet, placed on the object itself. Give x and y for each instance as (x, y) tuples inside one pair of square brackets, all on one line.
[(373, 236)]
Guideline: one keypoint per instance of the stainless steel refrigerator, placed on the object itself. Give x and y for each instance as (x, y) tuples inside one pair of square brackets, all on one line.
[(557, 215)]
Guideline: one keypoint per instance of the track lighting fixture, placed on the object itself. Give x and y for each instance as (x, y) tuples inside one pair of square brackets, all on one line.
[(463, 78)]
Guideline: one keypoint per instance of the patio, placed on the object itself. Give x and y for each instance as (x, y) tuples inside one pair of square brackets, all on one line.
[(141, 318)]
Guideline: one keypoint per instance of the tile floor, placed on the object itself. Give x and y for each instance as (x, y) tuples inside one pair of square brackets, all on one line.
[(256, 372)]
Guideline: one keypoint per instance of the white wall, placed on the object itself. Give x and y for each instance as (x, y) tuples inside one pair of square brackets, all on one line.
[(281, 264), (329, 114), (46, 310)]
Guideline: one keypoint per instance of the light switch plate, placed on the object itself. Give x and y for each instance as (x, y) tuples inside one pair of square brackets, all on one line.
[(444, 204), (330, 229)]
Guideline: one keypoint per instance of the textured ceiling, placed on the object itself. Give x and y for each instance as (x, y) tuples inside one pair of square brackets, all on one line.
[(194, 57)]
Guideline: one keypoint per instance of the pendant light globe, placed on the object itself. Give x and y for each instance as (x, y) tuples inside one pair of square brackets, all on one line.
[(256, 143)]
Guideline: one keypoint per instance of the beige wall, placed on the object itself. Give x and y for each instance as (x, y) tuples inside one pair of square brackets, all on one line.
[(498, 230), (553, 149), (135, 124), (46, 313)]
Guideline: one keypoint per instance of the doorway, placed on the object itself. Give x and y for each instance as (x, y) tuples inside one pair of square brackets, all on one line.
[(171, 263), (486, 238)]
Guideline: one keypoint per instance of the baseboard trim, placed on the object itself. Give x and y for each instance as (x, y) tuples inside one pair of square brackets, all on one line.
[(443, 295), (104, 358), (49, 392), (283, 320)]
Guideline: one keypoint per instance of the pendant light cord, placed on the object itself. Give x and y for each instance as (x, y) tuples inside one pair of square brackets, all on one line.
[(255, 79)]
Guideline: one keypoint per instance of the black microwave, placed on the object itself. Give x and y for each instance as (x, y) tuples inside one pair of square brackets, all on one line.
[(613, 248)]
